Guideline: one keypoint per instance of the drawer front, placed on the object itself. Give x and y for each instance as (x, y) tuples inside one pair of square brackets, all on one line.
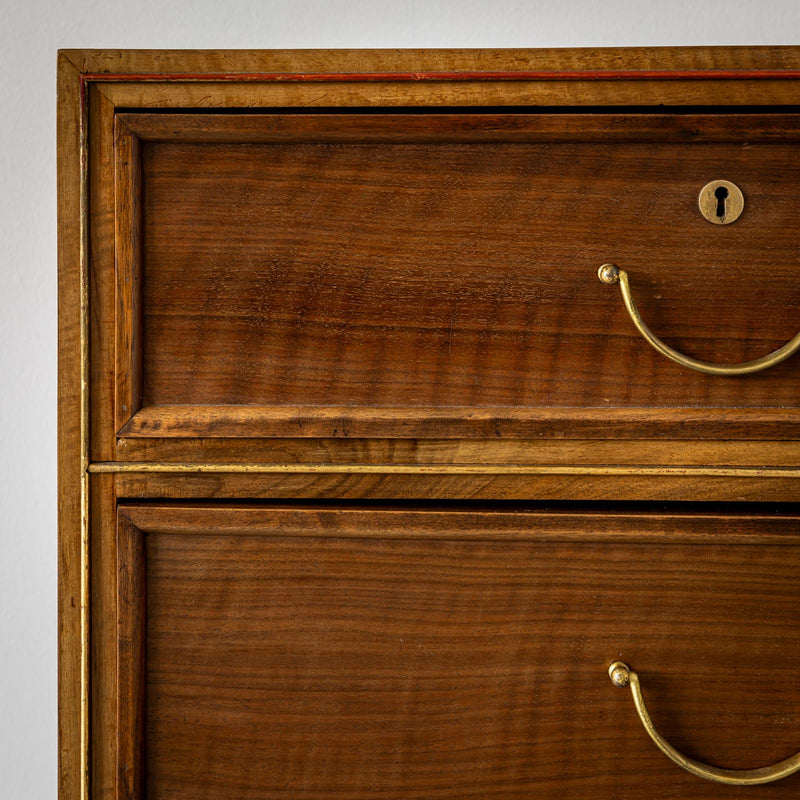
[(436, 274), (342, 652)]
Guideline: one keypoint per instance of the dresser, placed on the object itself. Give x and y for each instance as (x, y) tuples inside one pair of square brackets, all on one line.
[(429, 424)]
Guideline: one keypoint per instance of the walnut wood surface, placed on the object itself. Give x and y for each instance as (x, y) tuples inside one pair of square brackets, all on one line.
[(301, 484), (166, 91), (590, 92), (128, 260), (333, 653), (70, 642), (131, 660), (421, 126), (146, 78), (451, 274), (109, 309), (105, 639), (249, 61), (463, 422), (650, 452), (722, 570)]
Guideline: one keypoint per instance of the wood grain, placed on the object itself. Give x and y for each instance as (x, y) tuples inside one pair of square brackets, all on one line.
[(459, 422), (69, 434), (562, 487), (103, 296), (459, 665), (128, 270), (248, 61), (274, 627), (598, 93), (453, 451), (130, 660), (532, 522), (154, 77), (104, 637), (160, 92), (417, 126), (306, 276)]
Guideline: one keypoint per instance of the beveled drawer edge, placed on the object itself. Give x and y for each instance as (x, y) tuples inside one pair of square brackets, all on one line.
[(537, 451), (470, 422), (408, 522), (413, 126)]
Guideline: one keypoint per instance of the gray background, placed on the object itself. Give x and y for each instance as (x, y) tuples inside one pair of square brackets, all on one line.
[(31, 31)]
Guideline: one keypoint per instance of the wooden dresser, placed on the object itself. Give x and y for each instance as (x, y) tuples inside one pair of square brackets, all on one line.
[(394, 444)]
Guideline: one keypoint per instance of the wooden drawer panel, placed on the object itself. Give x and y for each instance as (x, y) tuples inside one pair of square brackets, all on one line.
[(309, 653), (422, 274)]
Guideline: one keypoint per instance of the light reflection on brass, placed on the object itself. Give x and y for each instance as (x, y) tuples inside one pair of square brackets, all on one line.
[(721, 202), (611, 274), (622, 675)]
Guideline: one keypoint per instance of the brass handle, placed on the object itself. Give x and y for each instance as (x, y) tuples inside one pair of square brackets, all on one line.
[(622, 675), (611, 274)]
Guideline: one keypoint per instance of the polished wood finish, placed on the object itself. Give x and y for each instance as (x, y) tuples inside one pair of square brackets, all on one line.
[(493, 423), (420, 127), (432, 452), (624, 77), (596, 523), (306, 276), (459, 422), (128, 262), (71, 763), (236, 65), (104, 312), (490, 587), (456, 654), (634, 486), (131, 661), (104, 637)]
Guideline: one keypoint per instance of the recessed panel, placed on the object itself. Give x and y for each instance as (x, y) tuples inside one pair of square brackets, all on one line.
[(366, 275), (307, 654)]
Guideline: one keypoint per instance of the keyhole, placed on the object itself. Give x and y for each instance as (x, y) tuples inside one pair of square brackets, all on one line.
[(721, 202), (721, 193)]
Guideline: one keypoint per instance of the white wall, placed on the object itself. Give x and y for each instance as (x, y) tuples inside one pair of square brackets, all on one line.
[(30, 33)]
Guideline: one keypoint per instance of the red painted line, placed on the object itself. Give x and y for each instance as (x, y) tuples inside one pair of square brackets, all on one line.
[(402, 77)]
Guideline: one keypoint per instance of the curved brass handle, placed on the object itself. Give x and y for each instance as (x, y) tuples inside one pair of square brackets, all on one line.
[(622, 675), (611, 274)]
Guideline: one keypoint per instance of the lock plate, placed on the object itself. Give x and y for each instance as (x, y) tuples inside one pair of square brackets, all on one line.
[(721, 202)]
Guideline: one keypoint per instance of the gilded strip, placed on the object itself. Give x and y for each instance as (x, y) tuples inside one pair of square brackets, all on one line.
[(440, 469)]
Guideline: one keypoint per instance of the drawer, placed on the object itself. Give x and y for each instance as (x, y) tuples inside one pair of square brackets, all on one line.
[(309, 652), (435, 275)]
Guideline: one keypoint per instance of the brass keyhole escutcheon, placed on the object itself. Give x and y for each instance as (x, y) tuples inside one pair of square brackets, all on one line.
[(721, 202)]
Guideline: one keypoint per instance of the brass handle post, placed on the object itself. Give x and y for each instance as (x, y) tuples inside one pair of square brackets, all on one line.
[(622, 675), (611, 274)]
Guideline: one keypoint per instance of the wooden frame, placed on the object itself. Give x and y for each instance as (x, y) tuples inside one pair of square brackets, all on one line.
[(127, 177), (130, 657), (92, 85), (360, 525), (235, 421)]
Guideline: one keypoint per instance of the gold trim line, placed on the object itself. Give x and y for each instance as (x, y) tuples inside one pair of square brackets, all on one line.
[(440, 469)]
